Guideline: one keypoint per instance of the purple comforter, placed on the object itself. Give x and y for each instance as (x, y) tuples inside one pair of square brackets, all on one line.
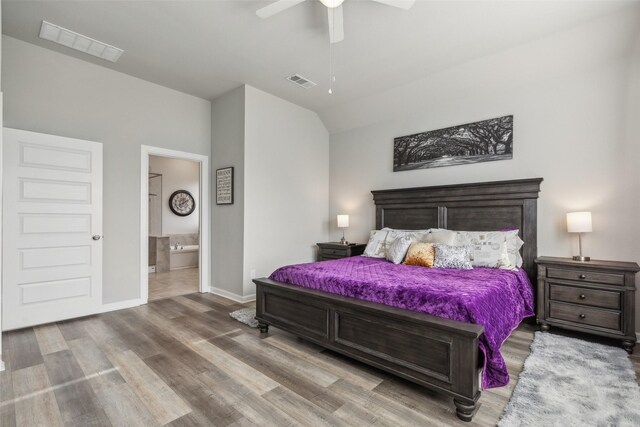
[(495, 299)]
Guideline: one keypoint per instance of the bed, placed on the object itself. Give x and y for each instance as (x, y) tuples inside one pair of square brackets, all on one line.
[(442, 354)]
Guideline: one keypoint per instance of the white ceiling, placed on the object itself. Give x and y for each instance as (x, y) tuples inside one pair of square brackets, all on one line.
[(206, 48)]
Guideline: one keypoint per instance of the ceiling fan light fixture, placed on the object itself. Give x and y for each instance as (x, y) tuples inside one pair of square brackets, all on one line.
[(331, 3)]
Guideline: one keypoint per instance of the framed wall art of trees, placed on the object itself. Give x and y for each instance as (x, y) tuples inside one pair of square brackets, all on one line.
[(484, 141)]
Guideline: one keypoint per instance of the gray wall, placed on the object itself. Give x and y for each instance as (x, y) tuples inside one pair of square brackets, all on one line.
[(631, 152), (568, 129), (52, 93), (286, 184), (280, 153), (177, 174), (227, 145)]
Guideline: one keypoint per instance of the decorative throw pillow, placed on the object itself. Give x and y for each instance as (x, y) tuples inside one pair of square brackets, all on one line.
[(421, 254), (448, 256), (376, 247), (483, 241), (489, 254), (398, 249)]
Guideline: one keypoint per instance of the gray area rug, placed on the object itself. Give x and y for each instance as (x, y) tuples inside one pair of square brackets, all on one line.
[(246, 316), (571, 382)]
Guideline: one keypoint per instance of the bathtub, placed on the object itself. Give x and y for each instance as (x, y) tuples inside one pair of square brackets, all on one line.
[(185, 256)]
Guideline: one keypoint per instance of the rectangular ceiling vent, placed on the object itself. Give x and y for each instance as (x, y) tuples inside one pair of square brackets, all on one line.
[(68, 38), (301, 81)]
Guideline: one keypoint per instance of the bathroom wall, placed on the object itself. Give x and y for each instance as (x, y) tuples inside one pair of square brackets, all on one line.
[(155, 205), (177, 174)]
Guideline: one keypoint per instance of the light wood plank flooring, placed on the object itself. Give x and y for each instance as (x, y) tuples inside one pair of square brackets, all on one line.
[(183, 361), (173, 283)]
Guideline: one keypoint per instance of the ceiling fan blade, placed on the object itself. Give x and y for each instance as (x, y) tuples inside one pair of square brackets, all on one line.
[(276, 7), (402, 4), (336, 24)]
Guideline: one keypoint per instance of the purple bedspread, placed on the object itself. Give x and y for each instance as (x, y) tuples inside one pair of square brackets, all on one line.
[(495, 299)]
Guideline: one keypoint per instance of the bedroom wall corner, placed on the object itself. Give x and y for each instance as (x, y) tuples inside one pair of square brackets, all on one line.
[(631, 161), (227, 231), (286, 184)]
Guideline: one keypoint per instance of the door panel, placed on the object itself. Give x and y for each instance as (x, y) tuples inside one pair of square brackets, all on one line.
[(52, 206)]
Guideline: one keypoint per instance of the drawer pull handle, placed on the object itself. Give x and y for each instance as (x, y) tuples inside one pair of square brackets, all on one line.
[(582, 316), (582, 296), (582, 276)]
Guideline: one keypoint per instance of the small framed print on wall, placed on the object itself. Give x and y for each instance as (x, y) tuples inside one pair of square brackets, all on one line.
[(224, 186)]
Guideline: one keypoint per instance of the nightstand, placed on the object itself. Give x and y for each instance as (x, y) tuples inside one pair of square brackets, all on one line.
[(336, 250), (596, 297)]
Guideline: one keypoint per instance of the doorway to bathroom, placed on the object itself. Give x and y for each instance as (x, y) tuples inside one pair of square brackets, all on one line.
[(174, 218)]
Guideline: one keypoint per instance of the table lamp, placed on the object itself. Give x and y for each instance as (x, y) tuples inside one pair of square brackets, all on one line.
[(579, 222), (343, 222)]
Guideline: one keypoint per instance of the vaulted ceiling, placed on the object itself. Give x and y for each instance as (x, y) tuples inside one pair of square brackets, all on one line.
[(206, 48)]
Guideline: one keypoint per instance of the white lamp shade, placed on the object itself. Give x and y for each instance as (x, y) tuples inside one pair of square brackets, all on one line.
[(343, 221), (579, 222)]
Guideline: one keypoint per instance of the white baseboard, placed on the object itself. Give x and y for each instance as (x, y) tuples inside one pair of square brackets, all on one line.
[(120, 305), (232, 296)]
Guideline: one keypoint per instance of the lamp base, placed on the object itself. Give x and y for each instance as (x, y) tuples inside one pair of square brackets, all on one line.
[(581, 258), (343, 241)]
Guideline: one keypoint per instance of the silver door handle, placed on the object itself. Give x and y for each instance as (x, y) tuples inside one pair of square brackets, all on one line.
[(96, 237)]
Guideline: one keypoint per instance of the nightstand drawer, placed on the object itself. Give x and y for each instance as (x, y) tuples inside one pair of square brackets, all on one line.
[(585, 276), (326, 252), (606, 299), (585, 315)]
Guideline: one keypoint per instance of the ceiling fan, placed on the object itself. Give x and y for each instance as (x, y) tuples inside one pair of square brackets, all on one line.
[(334, 12)]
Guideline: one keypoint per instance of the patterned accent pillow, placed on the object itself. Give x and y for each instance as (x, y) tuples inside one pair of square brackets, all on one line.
[(421, 254), (376, 247), (481, 241), (490, 254), (398, 249), (448, 256)]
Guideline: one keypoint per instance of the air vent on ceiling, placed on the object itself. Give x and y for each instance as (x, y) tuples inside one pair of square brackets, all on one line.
[(76, 41), (301, 81)]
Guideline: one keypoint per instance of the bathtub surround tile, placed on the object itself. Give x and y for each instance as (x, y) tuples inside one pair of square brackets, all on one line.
[(152, 250), (184, 239), (163, 257)]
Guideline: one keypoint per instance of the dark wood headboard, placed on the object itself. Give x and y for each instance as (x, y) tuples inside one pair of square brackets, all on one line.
[(485, 206)]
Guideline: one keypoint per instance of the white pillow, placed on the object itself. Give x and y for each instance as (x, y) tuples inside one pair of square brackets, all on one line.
[(496, 249), (442, 236), (519, 244), (414, 235), (398, 249)]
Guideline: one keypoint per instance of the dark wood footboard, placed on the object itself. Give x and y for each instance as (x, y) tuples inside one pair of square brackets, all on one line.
[(436, 353)]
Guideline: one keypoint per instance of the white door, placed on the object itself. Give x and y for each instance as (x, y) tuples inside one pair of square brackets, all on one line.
[(52, 224)]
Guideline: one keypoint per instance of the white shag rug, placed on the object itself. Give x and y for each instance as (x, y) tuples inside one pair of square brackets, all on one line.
[(246, 316), (571, 382)]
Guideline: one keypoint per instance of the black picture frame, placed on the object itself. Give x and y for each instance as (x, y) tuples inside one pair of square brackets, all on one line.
[(180, 213), (483, 141), (224, 186)]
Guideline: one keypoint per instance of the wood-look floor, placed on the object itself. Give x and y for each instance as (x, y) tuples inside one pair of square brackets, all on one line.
[(173, 283), (183, 361)]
